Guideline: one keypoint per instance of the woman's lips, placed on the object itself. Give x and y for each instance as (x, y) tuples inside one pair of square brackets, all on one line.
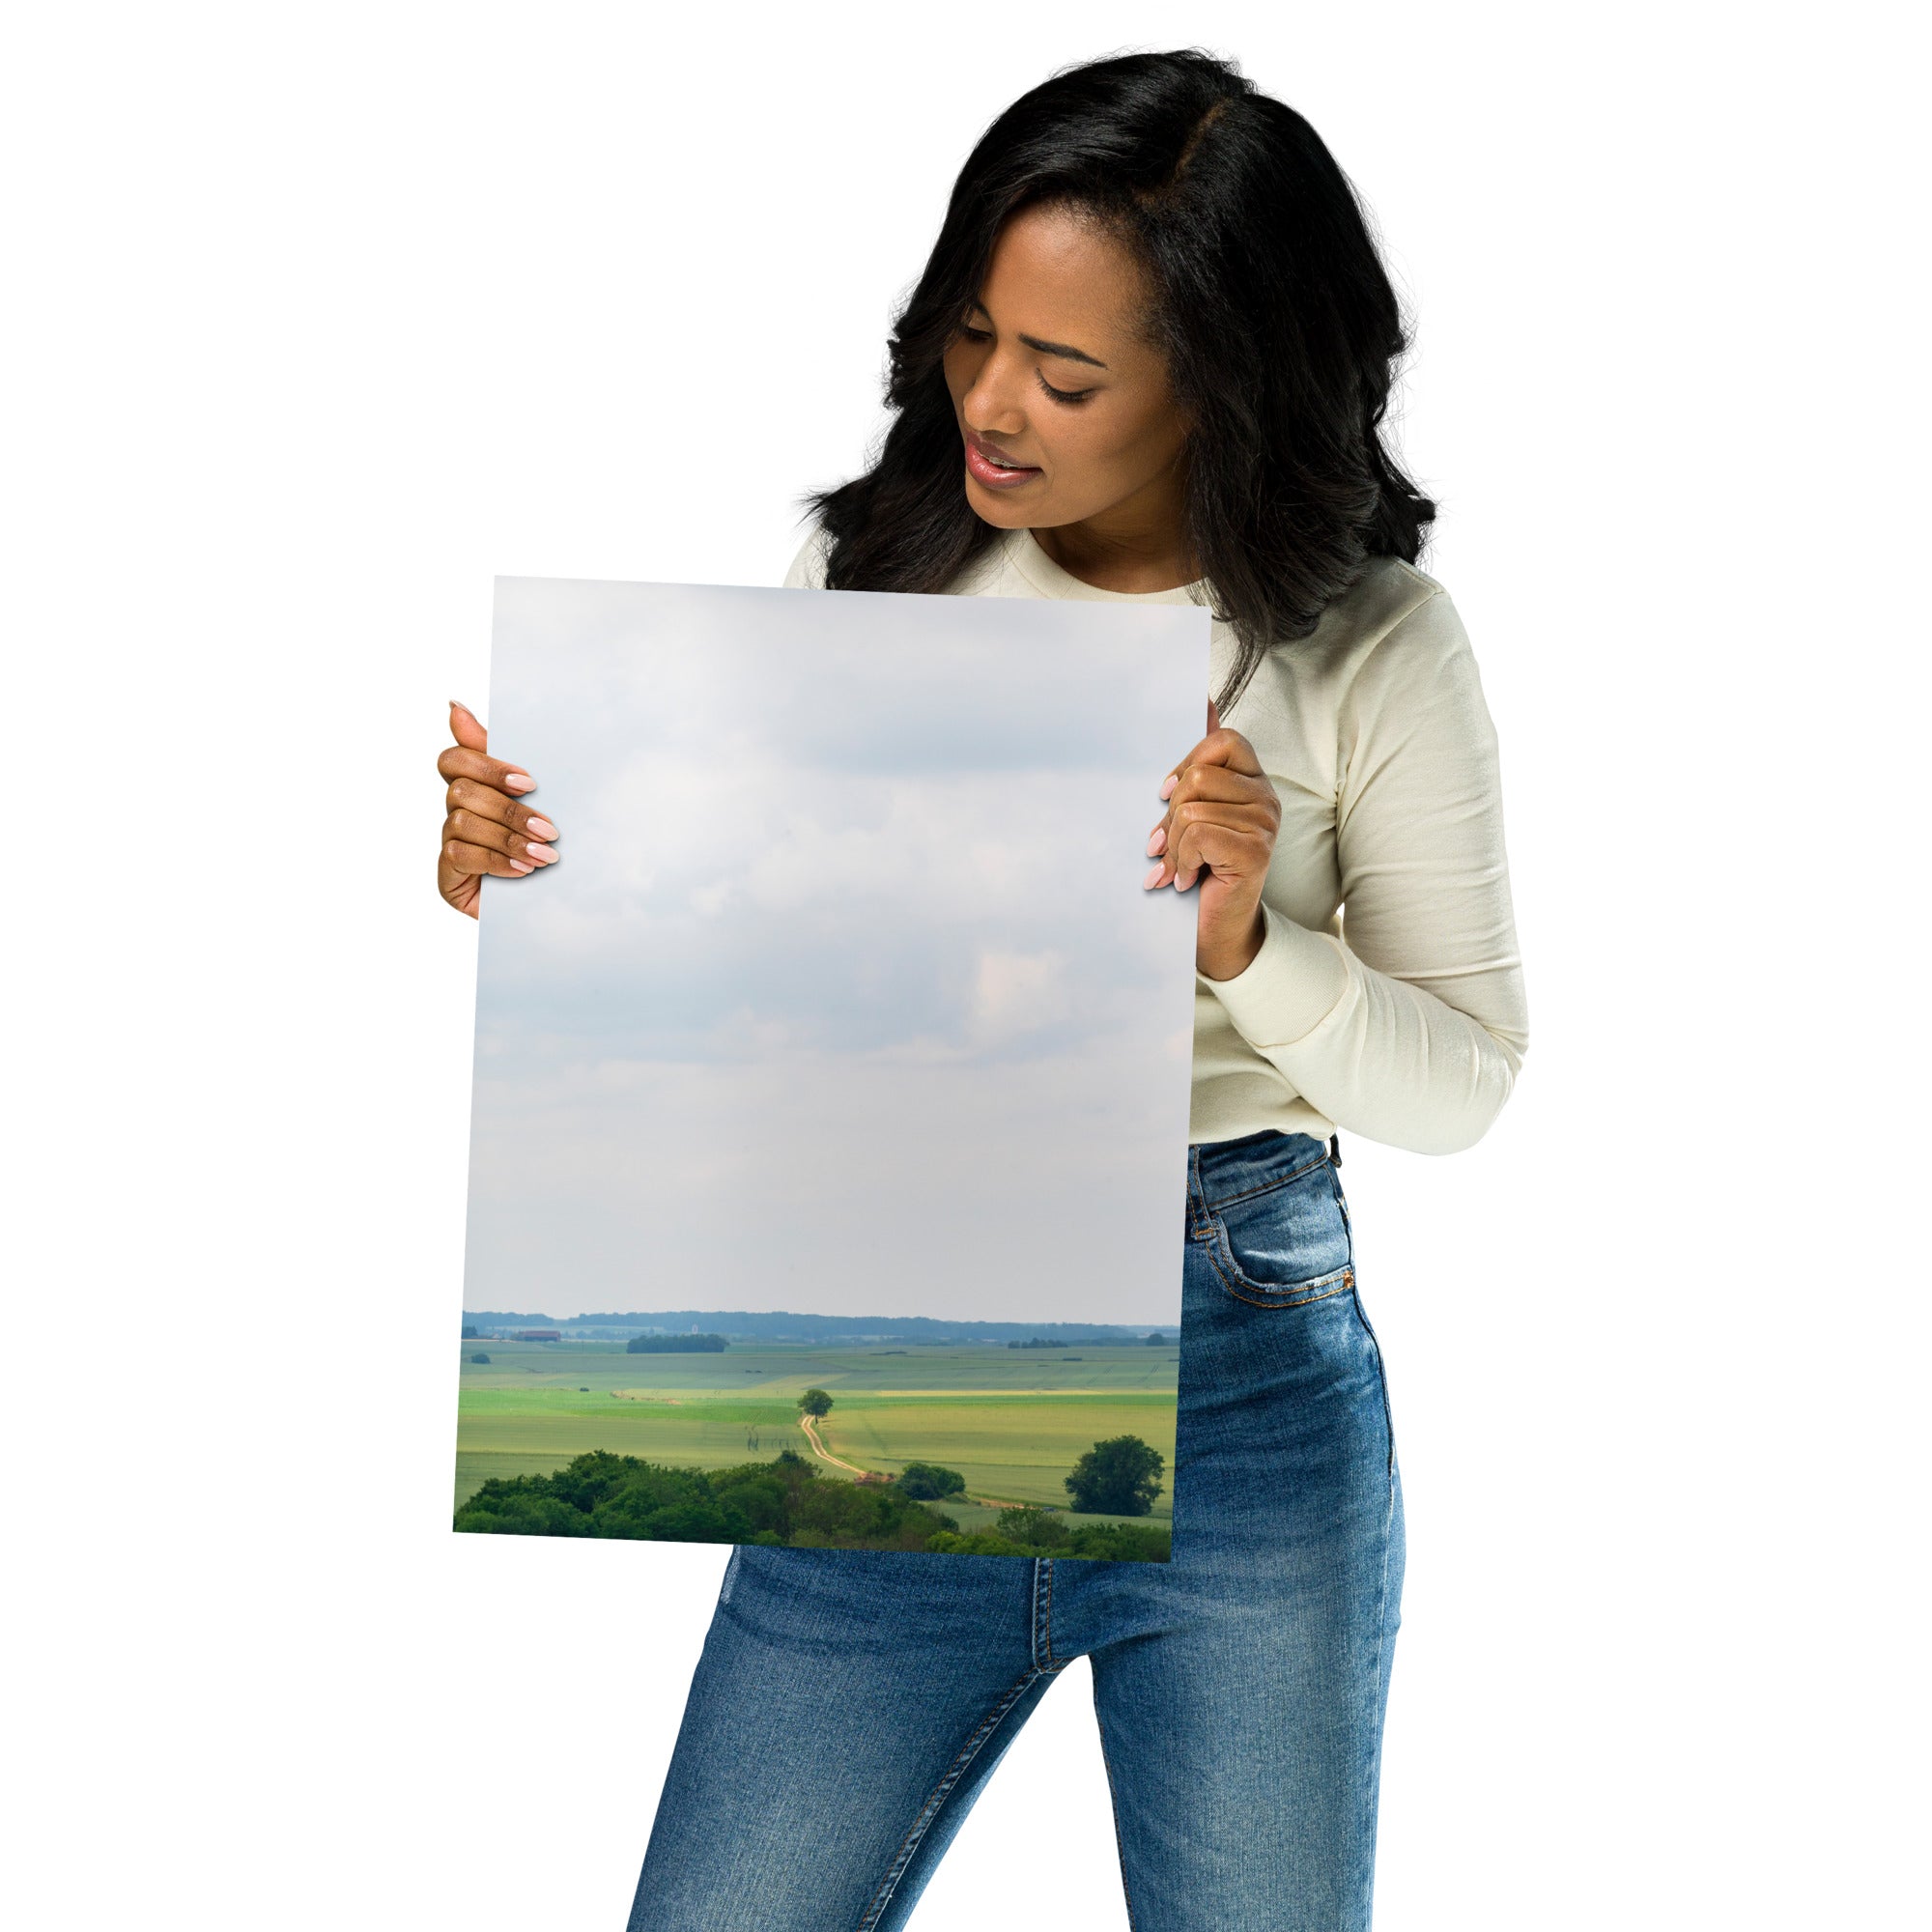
[(986, 466)]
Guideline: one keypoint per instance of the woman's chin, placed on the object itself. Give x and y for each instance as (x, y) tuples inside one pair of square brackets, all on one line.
[(998, 507)]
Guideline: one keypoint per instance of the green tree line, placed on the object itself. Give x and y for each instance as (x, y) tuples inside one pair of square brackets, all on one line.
[(1029, 1530), (783, 1504)]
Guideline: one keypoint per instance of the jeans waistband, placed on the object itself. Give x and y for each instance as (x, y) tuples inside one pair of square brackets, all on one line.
[(1220, 1170)]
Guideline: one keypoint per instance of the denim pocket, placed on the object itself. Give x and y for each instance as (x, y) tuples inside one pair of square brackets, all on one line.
[(1286, 1242)]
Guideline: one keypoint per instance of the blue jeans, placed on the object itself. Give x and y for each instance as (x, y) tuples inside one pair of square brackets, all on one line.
[(849, 1706)]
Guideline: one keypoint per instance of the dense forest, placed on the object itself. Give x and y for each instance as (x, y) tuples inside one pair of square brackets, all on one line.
[(676, 1345), (782, 1503)]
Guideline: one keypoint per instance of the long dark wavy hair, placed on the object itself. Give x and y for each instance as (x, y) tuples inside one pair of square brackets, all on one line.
[(1269, 301)]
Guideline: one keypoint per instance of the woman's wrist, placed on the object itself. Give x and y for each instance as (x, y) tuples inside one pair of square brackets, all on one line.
[(1227, 959)]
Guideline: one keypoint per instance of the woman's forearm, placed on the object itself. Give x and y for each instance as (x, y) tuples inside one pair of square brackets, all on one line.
[(1376, 1055)]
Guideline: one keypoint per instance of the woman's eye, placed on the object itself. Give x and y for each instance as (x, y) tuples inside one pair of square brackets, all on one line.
[(1065, 395)]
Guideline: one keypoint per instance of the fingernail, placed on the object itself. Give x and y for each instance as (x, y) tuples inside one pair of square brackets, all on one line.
[(542, 854), (540, 828), (1153, 878), (459, 704), (1158, 842), (518, 865), (518, 782), (1173, 780)]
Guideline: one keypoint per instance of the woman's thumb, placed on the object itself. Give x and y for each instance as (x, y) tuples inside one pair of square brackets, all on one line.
[(466, 728)]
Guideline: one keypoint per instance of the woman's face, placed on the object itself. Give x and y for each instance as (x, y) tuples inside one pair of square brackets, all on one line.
[(1050, 375)]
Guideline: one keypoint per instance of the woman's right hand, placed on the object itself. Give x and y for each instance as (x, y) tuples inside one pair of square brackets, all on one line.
[(488, 828)]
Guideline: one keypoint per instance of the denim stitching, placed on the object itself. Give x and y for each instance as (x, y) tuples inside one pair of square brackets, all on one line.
[(1043, 1615), (968, 1751), (1288, 1294), (1199, 1213), (1268, 1186), (1343, 1286), (1381, 1380)]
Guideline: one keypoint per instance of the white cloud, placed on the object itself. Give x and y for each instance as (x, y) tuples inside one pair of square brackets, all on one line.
[(1016, 993), (848, 933)]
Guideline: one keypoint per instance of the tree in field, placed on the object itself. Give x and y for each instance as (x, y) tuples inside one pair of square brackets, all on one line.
[(1118, 1477), (814, 1402), (479, 1358), (927, 1481)]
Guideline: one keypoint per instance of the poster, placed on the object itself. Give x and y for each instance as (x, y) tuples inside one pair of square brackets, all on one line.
[(828, 1160)]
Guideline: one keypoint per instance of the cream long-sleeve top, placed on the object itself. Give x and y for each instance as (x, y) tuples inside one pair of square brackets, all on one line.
[(1387, 997)]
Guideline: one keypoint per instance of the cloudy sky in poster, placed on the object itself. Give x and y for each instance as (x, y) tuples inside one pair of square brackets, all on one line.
[(845, 997)]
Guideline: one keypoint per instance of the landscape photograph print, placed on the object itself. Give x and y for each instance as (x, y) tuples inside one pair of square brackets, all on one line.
[(829, 1131)]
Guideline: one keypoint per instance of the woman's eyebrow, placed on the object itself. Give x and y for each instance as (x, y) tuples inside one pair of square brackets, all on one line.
[(1062, 349), (1067, 350)]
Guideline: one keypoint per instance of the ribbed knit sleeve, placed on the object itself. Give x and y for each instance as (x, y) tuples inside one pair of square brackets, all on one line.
[(1411, 1025)]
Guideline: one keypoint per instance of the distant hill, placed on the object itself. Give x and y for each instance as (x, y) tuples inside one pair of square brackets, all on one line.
[(784, 1325)]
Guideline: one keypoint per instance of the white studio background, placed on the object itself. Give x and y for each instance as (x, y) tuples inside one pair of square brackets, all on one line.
[(320, 316)]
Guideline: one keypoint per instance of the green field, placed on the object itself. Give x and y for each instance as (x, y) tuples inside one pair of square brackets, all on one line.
[(1010, 1421)]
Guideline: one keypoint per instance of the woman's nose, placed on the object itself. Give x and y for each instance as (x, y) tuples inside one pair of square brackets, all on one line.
[(991, 405)]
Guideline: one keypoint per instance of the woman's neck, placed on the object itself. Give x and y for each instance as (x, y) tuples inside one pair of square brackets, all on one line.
[(1111, 563), (1137, 546)]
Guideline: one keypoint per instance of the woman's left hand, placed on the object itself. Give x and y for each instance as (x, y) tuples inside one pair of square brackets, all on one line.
[(1222, 817)]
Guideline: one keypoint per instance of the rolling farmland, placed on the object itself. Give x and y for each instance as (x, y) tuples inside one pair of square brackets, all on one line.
[(1012, 1421)]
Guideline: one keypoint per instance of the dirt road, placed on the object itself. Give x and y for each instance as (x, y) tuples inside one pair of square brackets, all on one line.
[(809, 1424)]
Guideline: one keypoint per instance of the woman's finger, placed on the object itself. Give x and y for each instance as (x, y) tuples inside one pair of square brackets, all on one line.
[(1258, 813), (461, 857), (1222, 791), (466, 728), (485, 802), (1233, 850), (458, 761), (1216, 781), (472, 828), (1219, 747), (1228, 837)]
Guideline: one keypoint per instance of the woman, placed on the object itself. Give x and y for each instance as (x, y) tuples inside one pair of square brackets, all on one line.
[(1148, 362)]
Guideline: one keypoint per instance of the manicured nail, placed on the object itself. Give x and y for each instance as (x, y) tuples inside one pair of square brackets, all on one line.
[(540, 828), (459, 704), (542, 854), (1173, 780), (1153, 878), (1158, 842), (518, 782), (518, 865)]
